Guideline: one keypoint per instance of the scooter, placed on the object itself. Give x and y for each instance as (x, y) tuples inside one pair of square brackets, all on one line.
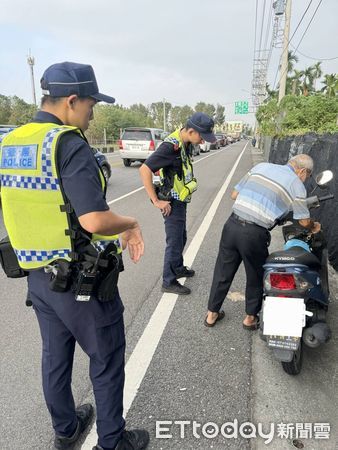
[(296, 290)]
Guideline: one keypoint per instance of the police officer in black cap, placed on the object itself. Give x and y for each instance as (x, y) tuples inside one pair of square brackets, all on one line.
[(65, 178), (173, 160)]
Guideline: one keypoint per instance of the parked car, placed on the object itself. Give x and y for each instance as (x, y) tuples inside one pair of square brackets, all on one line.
[(222, 139), (196, 150), (215, 145), (103, 163), (230, 139), (6, 128), (137, 144), (205, 147)]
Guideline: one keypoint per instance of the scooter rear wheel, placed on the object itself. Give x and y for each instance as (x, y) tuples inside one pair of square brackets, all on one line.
[(295, 365)]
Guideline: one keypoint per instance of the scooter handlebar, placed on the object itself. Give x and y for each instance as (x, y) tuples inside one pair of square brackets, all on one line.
[(326, 197)]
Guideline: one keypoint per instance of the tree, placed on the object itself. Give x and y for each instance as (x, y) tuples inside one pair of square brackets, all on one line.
[(307, 80), (330, 85), (317, 72), (206, 108), (292, 58), (219, 115), (21, 112), (156, 113), (5, 109), (294, 83)]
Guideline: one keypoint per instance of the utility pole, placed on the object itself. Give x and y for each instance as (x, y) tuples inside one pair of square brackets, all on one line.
[(285, 54), (31, 62), (164, 118)]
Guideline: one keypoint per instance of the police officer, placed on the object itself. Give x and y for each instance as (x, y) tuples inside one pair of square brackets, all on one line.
[(173, 160), (50, 178)]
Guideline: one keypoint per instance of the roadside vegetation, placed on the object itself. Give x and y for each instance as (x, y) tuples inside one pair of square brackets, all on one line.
[(310, 104)]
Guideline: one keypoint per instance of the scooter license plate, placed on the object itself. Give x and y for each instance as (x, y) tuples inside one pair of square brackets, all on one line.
[(284, 342), (283, 316)]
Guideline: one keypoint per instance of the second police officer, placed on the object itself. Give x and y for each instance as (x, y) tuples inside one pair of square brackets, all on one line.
[(173, 160)]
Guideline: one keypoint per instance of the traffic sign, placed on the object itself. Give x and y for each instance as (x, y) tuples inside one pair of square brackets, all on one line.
[(242, 107)]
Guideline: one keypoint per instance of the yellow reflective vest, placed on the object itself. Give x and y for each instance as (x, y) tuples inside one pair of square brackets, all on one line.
[(183, 187), (35, 211)]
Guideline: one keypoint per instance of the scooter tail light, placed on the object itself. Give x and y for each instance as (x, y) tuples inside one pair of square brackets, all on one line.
[(283, 281)]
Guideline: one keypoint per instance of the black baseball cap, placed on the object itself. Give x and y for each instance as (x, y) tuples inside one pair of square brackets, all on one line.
[(68, 78), (203, 124)]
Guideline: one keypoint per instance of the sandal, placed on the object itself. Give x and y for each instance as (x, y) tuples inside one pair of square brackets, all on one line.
[(220, 316), (254, 326)]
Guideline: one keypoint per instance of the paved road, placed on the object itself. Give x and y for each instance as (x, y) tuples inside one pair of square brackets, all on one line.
[(195, 374)]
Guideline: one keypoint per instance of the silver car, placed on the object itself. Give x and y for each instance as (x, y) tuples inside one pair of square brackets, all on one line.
[(137, 144)]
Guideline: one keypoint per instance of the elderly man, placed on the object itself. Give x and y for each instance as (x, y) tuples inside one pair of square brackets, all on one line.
[(261, 197)]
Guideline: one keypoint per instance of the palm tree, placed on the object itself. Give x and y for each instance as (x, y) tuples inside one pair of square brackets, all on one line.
[(317, 72), (296, 82), (307, 82), (292, 59), (330, 85)]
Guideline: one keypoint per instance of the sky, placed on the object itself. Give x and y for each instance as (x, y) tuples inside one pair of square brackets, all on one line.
[(145, 50)]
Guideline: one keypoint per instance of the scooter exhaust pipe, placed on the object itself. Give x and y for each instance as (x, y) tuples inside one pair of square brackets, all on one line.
[(316, 335)]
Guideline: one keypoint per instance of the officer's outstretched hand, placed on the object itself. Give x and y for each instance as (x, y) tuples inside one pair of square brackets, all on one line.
[(134, 241), (164, 206)]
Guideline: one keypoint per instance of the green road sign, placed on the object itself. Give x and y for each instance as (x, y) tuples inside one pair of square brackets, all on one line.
[(242, 107)]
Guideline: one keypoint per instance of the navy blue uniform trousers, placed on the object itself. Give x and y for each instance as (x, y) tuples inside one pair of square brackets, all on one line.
[(176, 238), (99, 330)]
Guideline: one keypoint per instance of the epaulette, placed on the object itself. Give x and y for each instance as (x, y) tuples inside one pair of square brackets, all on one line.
[(175, 143)]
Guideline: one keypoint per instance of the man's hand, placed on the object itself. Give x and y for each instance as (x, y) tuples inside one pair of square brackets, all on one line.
[(316, 227), (134, 241), (164, 206)]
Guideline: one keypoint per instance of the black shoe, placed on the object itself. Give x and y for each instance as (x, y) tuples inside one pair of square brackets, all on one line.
[(133, 440), (176, 288), (84, 413), (185, 272)]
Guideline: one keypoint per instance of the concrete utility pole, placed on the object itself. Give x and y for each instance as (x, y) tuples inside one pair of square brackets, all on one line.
[(285, 61), (164, 118), (31, 62)]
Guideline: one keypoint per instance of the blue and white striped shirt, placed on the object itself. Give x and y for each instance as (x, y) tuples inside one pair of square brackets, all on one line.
[(267, 192)]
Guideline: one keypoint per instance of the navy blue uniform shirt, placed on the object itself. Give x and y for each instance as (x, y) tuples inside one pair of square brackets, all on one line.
[(165, 157), (78, 170)]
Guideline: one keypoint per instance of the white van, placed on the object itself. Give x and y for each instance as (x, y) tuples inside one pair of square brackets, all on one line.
[(137, 144)]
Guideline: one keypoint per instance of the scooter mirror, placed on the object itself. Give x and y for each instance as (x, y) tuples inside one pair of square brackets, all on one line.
[(324, 177)]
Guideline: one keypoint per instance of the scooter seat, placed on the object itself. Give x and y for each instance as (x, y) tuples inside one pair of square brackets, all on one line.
[(294, 255)]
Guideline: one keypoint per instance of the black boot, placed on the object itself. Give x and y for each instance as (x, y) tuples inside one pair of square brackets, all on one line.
[(131, 440), (176, 288), (84, 414), (185, 272)]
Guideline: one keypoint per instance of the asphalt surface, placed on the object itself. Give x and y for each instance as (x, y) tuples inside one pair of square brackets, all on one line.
[(197, 374)]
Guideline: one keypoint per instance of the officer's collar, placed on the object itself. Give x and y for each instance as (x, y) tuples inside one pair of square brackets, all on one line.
[(46, 117)]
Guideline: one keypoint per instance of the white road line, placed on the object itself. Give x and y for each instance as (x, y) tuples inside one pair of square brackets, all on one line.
[(143, 353), (142, 187), (126, 195)]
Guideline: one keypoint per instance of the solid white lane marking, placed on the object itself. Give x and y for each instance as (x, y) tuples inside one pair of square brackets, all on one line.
[(142, 187), (143, 353), (125, 195)]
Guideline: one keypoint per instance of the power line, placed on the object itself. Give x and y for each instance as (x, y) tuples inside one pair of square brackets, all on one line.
[(298, 25), (313, 15), (262, 26), (268, 25), (311, 57), (255, 27)]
